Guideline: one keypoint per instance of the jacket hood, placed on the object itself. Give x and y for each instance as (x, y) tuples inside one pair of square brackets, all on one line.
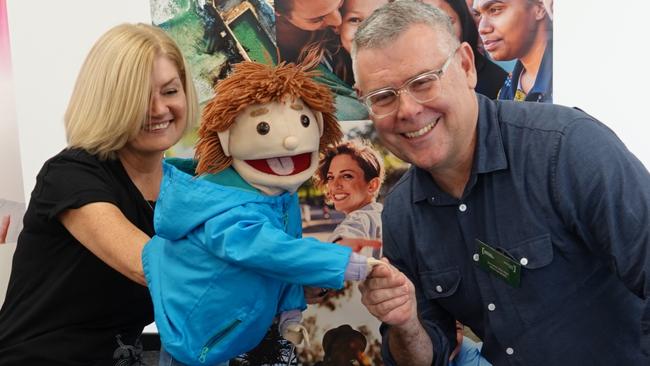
[(186, 201)]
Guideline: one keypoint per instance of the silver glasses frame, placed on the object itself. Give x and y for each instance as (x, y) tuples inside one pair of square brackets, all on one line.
[(405, 87)]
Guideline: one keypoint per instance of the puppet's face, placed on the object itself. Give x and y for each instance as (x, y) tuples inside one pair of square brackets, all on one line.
[(274, 146)]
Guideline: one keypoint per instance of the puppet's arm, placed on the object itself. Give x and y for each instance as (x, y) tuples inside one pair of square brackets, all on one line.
[(249, 239)]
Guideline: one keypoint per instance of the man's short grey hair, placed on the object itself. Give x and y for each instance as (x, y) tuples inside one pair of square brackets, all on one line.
[(387, 23)]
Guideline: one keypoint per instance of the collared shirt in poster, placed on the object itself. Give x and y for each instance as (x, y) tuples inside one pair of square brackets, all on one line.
[(542, 90)]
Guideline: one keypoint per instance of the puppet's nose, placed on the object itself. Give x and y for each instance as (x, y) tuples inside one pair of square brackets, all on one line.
[(290, 142)]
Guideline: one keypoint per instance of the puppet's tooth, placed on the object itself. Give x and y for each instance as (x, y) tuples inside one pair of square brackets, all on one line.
[(281, 166)]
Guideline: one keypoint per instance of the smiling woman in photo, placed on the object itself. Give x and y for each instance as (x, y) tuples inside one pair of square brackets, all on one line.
[(352, 174)]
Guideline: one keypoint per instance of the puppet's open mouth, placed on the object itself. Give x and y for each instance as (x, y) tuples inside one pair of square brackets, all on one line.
[(285, 165)]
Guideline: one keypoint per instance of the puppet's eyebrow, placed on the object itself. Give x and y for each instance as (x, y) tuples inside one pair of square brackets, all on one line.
[(259, 112), (296, 106)]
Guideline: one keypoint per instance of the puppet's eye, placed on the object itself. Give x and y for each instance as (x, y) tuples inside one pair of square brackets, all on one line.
[(263, 128), (304, 120)]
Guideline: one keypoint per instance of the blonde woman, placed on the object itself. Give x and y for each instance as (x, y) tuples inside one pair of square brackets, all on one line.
[(77, 293)]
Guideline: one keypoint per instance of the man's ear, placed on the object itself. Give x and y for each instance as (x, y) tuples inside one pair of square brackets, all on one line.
[(467, 63), (224, 138), (540, 10), (319, 120)]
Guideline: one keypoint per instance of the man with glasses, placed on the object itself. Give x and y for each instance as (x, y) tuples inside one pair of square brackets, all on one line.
[(528, 222)]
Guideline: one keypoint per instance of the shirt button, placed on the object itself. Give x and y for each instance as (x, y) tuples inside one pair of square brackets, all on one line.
[(523, 261), (510, 351), (438, 288), (491, 307), (475, 257), (462, 207)]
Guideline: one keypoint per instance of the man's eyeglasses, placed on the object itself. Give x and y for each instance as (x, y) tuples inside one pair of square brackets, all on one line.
[(423, 88)]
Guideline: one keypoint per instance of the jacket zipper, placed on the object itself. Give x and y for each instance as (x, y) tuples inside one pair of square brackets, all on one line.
[(216, 339)]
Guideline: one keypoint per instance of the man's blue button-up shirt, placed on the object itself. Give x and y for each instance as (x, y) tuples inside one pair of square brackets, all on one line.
[(557, 192)]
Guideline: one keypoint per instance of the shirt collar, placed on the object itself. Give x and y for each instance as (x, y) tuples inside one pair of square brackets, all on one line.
[(489, 156), (543, 87)]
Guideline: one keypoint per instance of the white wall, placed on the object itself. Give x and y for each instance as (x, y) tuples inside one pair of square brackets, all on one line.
[(50, 40), (601, 65)]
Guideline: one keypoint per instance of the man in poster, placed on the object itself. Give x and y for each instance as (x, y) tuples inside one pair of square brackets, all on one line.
[(519, 29)]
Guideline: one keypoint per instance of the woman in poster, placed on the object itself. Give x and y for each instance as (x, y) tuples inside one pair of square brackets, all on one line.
[(307, 32), (352, 174)]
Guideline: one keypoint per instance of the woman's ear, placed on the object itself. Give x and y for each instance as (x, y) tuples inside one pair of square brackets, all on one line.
[(373, 185)]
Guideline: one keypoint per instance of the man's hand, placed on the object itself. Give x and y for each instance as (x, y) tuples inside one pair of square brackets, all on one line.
[(389, 295), (4, 228)]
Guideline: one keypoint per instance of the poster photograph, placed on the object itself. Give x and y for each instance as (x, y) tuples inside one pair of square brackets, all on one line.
[(344, 200)]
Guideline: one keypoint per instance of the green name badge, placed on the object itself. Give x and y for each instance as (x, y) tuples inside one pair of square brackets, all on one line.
[(499, 264)]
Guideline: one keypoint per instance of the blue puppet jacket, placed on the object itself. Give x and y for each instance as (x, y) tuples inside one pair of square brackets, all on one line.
[(225, 261)]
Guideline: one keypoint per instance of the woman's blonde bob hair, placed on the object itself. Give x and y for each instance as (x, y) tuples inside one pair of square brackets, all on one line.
[(110, 101)]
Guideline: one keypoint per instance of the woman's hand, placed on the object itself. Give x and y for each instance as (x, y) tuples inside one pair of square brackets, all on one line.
[(4, 228)]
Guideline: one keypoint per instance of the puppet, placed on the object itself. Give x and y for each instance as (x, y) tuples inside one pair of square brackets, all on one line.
[(228, 256)]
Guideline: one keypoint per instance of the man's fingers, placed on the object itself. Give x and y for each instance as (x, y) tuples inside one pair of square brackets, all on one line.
[(373, 295), (393, 311)]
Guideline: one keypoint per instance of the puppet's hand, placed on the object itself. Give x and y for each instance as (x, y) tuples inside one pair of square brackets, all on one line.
[(296, 333), (360, 267), (372, 262), (291, 329)]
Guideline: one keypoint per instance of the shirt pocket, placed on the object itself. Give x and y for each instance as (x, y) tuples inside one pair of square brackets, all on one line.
[(540, 290), (533, 253), (440, 285)]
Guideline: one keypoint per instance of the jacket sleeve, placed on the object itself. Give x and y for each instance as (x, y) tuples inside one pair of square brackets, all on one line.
[(245, 237)]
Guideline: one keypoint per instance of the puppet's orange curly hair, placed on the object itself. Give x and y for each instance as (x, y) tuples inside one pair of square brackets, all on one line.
[(255, 83)]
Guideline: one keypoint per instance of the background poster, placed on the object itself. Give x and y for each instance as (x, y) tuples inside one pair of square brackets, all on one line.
[(12, 201), (213, 36)]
